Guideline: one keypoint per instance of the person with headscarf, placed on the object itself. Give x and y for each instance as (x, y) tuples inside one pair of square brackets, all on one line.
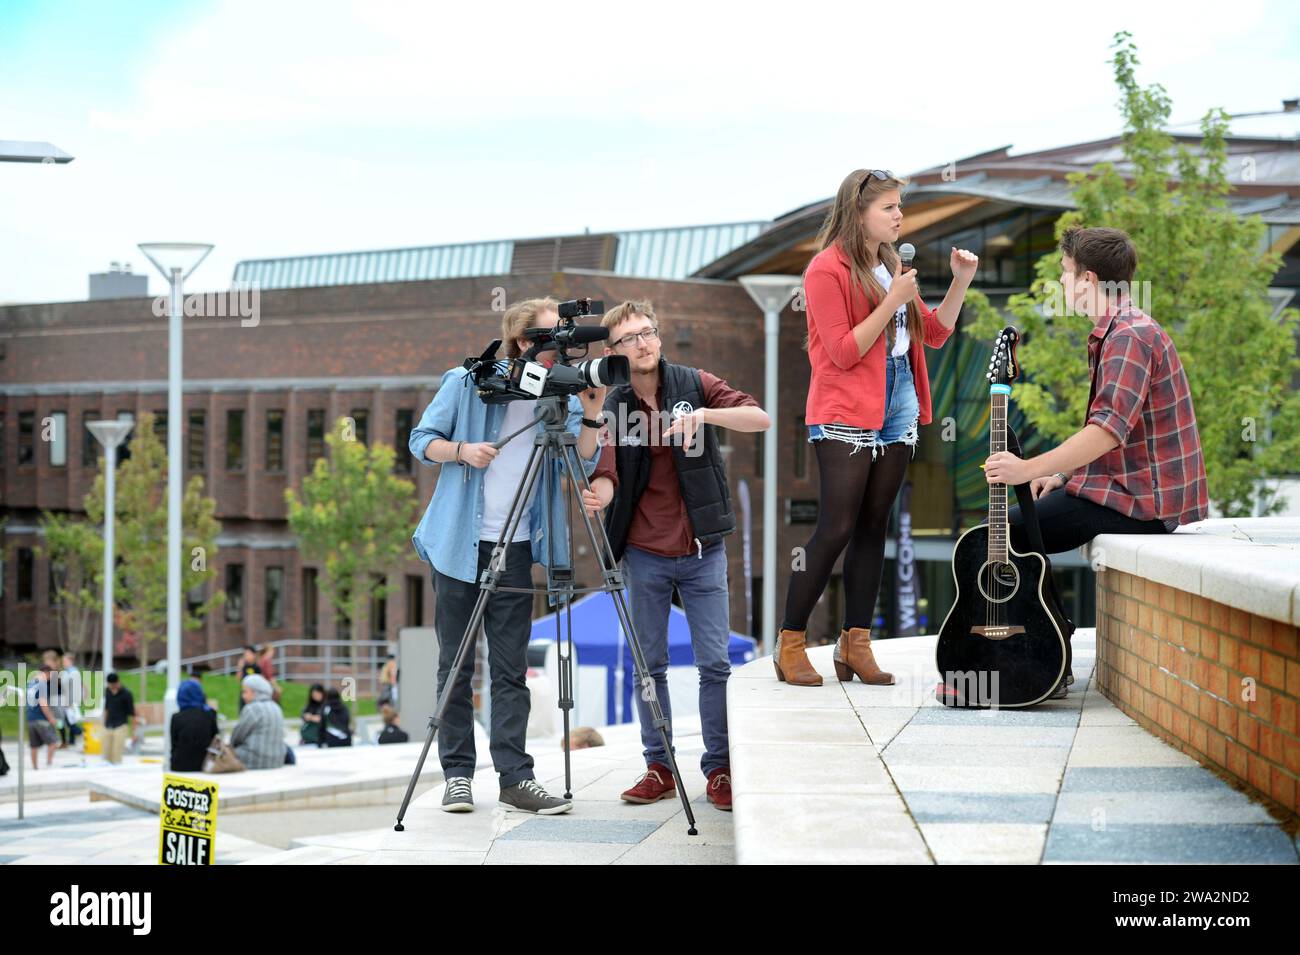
[(311, 716), (258, 737), (193, 727)]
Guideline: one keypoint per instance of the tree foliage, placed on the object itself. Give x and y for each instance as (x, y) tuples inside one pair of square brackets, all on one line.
[(1203, 274)]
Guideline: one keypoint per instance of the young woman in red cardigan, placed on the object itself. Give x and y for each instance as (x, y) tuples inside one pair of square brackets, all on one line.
[(867, 327)]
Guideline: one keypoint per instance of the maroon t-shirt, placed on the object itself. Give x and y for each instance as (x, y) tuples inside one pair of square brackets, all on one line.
[(660, 524)]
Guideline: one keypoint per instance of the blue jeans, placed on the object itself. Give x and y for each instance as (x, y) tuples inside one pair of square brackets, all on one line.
[(902, 414), (702, 582)]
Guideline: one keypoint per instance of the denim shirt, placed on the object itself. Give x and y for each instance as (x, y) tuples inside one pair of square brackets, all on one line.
[(447, 536)]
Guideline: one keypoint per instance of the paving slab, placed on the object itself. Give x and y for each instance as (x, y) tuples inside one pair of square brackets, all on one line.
[(1071, 781)]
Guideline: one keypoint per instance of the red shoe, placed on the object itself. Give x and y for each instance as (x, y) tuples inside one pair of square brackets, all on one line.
[(656, 784), (720, 788)]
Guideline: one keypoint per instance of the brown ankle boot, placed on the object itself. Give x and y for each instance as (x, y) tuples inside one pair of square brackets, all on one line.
[(853, 655), (791, 660)]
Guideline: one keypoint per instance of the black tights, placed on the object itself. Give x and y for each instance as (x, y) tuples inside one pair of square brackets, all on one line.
[(857, 494)]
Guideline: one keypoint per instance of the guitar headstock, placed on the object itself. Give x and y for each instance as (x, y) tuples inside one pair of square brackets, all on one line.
[(1004, 367)]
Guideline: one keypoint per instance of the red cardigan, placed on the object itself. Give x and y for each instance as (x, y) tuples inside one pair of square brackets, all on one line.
[(845, 387)]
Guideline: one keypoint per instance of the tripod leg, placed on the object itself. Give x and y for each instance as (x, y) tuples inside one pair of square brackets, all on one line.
[(488, 587), (444, 698), (615, 586), (565, 661)]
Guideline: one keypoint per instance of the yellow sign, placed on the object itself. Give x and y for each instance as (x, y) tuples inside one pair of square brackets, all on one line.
[(189, 821)]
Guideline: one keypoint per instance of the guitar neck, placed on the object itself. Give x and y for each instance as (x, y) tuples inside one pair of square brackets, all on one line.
[(999, 529)]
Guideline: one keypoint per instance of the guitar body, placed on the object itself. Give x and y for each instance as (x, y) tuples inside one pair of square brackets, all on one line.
[(1002, 643)]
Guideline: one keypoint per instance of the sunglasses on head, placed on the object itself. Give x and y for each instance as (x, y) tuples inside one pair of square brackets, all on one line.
[(884, 175)]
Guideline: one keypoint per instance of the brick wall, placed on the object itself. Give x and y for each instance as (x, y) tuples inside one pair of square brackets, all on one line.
[(1221, 684)]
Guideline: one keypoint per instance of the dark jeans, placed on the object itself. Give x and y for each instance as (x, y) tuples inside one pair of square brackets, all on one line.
[(702, 582), (1068, 522), (507, 621)]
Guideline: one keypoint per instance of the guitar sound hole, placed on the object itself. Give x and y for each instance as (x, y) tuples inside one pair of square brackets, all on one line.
[(998, 581)]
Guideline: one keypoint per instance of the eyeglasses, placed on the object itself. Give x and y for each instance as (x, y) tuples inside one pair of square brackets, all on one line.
[(648, 334), (884, 175)]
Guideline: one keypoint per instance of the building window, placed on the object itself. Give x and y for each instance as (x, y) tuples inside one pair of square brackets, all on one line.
[(59, 439), (26, 437), (197, 442), (315, 436), (194, 598), (361, 425), (124, 449), (378, 613), (234, 440), (89, 444), (800, 448), (234, 593), (758, 453), (275, 440), (26, 571), (274, 618), (310, 604), (415, 601), (401, 449)]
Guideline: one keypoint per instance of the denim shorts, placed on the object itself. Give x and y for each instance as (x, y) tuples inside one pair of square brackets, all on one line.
[(902, 414)]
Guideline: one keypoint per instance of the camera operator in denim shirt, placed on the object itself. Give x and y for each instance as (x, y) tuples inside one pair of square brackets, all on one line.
[(457, 534)]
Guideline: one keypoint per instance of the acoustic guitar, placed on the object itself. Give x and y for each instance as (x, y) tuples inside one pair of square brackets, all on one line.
[(1004, 642)]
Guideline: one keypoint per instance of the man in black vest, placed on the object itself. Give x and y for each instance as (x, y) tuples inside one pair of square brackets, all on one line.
[(662, 472)]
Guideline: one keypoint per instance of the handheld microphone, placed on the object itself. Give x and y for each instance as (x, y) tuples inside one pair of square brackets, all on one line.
[(906, 253)]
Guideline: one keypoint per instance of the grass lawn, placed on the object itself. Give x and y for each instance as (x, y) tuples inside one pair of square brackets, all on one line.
[(223, 689)]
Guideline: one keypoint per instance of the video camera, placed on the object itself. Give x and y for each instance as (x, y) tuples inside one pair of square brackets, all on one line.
[(526, 378)]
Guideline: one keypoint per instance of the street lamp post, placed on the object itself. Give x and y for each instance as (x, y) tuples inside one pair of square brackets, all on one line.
[(175, 260), (771, 293), (110, 434)]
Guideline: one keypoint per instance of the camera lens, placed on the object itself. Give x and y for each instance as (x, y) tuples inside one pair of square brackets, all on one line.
[(601, 372)]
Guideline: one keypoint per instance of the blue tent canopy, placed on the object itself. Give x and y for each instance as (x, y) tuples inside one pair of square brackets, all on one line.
[(598, 639)]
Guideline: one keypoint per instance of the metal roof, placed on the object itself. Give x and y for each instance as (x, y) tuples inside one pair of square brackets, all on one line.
[(671, 253), (383, 265), (677, 253)]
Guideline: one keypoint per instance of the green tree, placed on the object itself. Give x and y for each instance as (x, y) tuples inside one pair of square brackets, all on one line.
[(1203, 273), (354, 518), (75, 550), (141, 540)]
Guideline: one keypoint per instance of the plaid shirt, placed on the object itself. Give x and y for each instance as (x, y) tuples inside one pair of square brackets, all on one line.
[(1140, 395)]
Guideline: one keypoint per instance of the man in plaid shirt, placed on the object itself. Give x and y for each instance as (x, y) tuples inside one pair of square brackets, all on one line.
[(1136, 466)]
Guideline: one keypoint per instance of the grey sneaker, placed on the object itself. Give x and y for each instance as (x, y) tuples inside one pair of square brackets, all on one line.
[(459, 795), (528, 796), (1061, 692)]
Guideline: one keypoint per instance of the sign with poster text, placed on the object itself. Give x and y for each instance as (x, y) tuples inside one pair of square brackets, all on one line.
[(189, 821)]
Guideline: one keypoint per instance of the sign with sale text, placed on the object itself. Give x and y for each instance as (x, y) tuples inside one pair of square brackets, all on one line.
[(189, 821)]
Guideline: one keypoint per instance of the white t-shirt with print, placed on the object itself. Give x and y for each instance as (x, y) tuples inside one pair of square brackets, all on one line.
[(901, 340), (504, 473)]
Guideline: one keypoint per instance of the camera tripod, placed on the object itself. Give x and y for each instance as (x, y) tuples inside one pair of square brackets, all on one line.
[(554, 444)]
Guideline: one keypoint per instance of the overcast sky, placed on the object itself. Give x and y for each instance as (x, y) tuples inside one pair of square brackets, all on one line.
[(272, 128)]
